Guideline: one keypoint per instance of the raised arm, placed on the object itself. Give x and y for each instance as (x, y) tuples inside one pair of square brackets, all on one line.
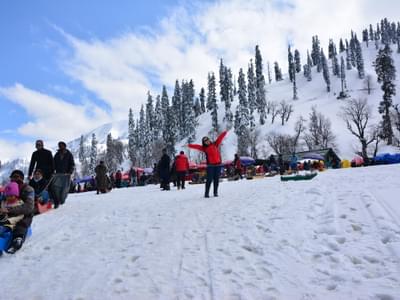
[(196, 147), (220, 138)]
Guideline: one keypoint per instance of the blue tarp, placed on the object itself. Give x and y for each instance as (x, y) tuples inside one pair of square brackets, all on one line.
[(387, 158), (83, 179), (247, 161)]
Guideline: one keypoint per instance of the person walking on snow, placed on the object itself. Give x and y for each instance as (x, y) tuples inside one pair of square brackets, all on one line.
[(101, 178), (41, 159), (237, 164), (213, 157), (164, 170), (64, 165), (182, 166)]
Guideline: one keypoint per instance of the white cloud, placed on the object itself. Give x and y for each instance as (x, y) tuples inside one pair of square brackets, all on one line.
[(53, 119), (189, 45), (10, 150)]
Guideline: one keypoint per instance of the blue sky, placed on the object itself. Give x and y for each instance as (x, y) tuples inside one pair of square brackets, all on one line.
[(68, 67), (32, 46)]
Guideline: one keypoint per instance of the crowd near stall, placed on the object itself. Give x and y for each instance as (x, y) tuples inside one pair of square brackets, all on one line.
[(50, 179)]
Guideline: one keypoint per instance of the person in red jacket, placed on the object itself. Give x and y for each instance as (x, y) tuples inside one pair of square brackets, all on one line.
[(181, 166), (213, 157)]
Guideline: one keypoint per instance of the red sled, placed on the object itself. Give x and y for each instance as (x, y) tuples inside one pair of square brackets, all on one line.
[(42, 208)]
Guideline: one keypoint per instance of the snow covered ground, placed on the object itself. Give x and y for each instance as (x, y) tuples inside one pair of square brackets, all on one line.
[(335, 237)]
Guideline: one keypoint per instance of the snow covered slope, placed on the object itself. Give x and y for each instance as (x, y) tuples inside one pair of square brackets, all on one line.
[(335, 237), (309, 94)]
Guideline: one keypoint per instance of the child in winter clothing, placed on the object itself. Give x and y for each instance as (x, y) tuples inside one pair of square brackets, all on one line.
[(11, 199), (39, 184)]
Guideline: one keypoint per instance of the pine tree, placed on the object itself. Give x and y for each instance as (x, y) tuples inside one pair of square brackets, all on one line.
[(386, 73), (371, 33), (212, 101), (251, 93), (177, 106), (278, 72), (269, 73), (150, 116), (307, 68), (335, 65), (342, 75), (114, 156), (93, 154), (164, 109), (225, 93), (316, 53), (290, 64), (365, 36), (359, 59), (348, 60), (294, 84), (341, 46), (309, 60), (260, 87), (197, 107), (131, 138), (331, 49), (325, 71), (158, 119), (170, 133), (297, 61), (202, 98), (352, 50), (189, 120), (82, 157), (307, 72), (242, 116)]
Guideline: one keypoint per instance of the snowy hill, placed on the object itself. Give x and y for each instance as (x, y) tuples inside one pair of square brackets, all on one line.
[(335, 237), (310, 94)]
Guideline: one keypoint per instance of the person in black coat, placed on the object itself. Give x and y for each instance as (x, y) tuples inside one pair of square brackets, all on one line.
[(41, 159), (64, 160), (164, 170), (64, 165)]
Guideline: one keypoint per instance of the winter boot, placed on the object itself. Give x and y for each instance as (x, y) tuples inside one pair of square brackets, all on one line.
[(16, 244), (207, 192), (215, 189)]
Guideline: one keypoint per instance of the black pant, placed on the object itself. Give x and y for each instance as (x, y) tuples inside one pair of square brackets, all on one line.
[(213, 173), (181, 179)]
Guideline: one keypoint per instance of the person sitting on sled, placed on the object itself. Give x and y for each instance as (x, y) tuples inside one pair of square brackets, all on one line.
[(16, 210), (39, 184)]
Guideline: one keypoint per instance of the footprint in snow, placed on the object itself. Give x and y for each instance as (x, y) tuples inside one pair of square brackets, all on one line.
[(340, 239), (118, 280), (356, 227)]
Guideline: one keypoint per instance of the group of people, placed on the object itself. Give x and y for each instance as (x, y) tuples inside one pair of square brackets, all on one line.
[(180, 166), (49, 178), (177, 171)]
